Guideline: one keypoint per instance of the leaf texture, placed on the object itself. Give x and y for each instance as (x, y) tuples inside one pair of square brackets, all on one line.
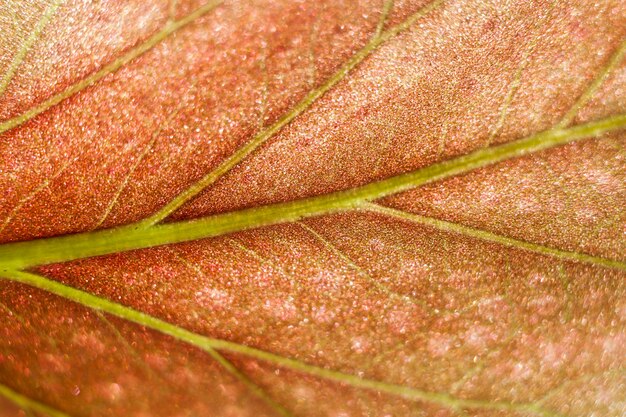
[(290, 208)]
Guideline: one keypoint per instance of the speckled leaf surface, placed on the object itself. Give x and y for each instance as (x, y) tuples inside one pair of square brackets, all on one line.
[(312, 208)]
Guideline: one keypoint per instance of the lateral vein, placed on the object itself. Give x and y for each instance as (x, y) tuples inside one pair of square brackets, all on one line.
[(267, 133), (20, 255), (27, 403), (591, 89), (207, 344), (496, 238), (230, 367), (28, 44), (111, 67)]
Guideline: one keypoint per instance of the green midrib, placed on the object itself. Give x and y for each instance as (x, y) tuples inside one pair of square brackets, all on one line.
[(22, 255)]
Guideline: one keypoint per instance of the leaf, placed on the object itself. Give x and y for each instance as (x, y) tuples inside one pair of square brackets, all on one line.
[(312, 208)]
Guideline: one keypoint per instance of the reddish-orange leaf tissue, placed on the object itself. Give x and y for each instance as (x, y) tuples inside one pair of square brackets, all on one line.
[(312, 208)]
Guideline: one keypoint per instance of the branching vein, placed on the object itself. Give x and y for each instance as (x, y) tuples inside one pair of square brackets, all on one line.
[(28, 43), (287, 118), (111, 67), (42, 186), (496, 238), (133, 352), (27, 403), (144, 153), (208, 344), (387, 6), (21, 255), (381, 287), (515, 83), (148, 233), (232, 369), (601, 76)]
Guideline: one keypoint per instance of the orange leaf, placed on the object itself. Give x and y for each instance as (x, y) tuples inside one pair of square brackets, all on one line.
[(324, 208)]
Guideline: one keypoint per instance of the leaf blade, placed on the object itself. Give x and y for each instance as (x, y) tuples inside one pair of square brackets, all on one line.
[(134, 236), (208, 344)]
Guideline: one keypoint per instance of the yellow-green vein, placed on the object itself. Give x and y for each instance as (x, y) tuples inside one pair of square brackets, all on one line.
[(207, 344), (517, 78), (384, 15), (582, 380), (599, 79), (111, 67), (378, 285), (299, 108), (28, 43), (129, 348), (143, 154), (496, 238), (173, 5), (29, 404), (20, 255), (251, 385), (232, 369), (31, 194)]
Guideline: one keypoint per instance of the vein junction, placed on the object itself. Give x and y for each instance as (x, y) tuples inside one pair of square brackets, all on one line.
[(149, 233), (27, 254), (209, 345)]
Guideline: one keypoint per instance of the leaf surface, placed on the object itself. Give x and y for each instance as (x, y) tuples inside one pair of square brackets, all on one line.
[(334, 208)]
